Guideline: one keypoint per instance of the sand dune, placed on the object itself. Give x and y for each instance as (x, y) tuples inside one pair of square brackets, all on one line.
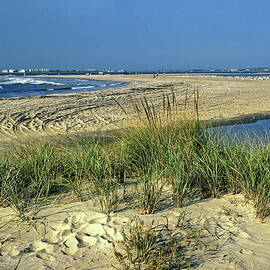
[(77, 236)]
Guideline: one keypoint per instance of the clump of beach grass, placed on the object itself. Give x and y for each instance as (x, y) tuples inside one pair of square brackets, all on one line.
[(150, 247), (235, 166), (117, 155), (162, 143), (180, 175), (249, 171), (88, 171), (160, 246), (149, 192), (29, 175), (209, 166), (155, 134), (84, 163), (4, 171), (106, 195)]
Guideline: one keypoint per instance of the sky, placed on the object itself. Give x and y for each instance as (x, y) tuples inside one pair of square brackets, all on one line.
[(134, 34)]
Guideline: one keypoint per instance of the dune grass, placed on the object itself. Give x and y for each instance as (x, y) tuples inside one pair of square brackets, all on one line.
[(165, 148), (29, 174), (150, 247), (160, 246), (149, 193), (84, 163)]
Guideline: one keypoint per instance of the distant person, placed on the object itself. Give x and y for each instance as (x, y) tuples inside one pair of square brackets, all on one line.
[(154, 76), (157, 76)]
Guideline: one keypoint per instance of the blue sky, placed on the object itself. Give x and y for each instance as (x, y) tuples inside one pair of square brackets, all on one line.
[(135, 35)]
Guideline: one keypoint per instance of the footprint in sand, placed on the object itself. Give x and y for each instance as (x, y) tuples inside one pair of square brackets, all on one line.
[(246, 251)]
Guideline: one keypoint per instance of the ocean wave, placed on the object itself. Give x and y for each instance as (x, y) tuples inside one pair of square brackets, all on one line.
[(83, 87), (1, 87), (16, 80), (6, 76), (56, 89)]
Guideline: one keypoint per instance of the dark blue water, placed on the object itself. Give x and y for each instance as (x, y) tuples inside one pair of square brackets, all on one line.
[(257, 131), (19, 86)]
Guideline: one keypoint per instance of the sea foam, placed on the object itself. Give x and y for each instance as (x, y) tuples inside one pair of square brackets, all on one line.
[(83, 87), (16, 80)]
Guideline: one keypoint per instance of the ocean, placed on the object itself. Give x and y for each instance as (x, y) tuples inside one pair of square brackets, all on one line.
[(12, 86)]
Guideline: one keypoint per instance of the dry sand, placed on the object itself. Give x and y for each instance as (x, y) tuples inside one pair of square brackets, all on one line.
[(77, 235)]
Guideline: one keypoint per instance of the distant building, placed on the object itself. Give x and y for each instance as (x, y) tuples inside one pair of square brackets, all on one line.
[(11, 70), (4, 71), (38, 70), (21, 70)]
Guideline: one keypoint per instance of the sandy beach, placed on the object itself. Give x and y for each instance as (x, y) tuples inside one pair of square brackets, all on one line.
[(134, 135), (76, 235), (221, 99)]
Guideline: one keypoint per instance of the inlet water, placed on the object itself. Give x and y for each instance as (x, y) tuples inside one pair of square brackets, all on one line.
[(257, 131)]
